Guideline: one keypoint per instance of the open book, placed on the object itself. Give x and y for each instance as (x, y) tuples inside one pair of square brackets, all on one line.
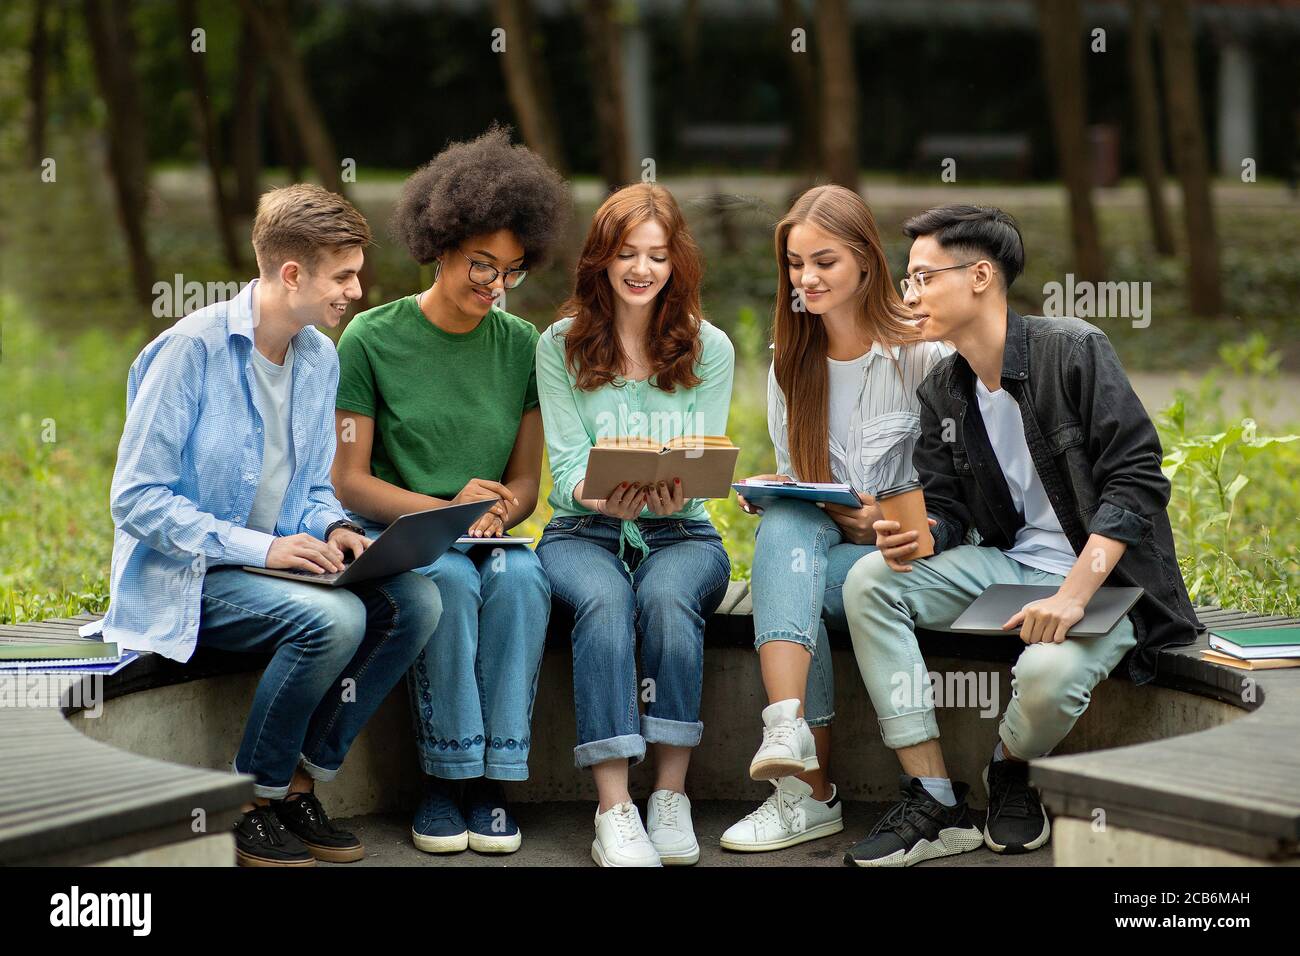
[(704, 463)]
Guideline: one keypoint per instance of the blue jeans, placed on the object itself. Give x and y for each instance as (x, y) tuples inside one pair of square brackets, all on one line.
[(472, 687), (800, 563), (665, 600), (1051, 684), (336, 653)]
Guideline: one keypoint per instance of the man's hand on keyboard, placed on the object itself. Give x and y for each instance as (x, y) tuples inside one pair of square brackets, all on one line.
[(302, 552)]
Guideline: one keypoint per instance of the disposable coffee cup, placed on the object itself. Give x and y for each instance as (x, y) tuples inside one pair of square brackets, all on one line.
[(905, 504)]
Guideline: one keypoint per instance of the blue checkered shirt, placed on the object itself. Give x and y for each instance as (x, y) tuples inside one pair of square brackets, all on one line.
[(188, 467)]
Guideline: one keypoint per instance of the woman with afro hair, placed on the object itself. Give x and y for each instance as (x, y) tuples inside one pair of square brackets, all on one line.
[(437, 404)]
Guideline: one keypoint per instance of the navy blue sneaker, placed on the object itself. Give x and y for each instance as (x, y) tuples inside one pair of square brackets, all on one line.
[(492, 827), (439, 826)]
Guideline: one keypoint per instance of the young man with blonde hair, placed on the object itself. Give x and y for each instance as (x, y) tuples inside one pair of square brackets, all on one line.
[(225, 462)]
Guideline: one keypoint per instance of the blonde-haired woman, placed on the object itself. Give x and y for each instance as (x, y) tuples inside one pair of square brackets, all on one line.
[(847, 363)]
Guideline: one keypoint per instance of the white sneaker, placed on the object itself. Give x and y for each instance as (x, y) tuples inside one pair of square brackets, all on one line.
[(788, 817), (621, 839), (788, 747), (669, 816)]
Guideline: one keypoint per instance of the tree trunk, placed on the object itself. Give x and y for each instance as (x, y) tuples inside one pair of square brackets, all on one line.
[(271, 27), (603, 44), (246, 128), (205, 128), (287, 149), (1146, 115), (839, 134), (1061, 33), (37, 71), (803, 79), (108, 26), (1187, 145), (526, 81)]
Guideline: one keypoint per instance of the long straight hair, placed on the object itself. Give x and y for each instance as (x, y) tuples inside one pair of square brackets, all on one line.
[(800, 336), (591, 347)]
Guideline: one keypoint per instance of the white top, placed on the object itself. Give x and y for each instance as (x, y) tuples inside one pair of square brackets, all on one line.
[(874, 417), (1040, 543), (272, 388), (844, 381)]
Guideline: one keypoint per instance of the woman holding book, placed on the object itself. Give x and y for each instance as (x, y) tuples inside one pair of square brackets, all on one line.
[(845, 370), (437, 403), (632, 358)]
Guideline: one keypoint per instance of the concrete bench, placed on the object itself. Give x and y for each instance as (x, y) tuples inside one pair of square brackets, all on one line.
[(1200, 767)]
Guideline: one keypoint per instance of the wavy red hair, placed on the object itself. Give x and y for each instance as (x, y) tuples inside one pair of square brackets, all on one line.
[(591, 347)]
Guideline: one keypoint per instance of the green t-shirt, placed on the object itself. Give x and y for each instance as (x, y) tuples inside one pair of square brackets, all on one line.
[(446, 406)]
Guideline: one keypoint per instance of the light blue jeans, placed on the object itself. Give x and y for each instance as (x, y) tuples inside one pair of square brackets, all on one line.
[(800, 563), (472, 687), (1051, 684), (666, 599)]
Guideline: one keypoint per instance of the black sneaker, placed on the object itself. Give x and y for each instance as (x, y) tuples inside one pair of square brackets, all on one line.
[(261, 839), (303, 814), (1017, 822), (918, 828)]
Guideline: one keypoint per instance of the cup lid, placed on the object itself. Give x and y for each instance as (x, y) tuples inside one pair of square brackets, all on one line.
[(899, 489)]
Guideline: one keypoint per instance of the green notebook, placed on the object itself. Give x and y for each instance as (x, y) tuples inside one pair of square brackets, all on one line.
[(1253, 643), (84, 650)]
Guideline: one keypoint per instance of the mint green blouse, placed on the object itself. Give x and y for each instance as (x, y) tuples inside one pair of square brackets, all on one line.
[(575, 419)]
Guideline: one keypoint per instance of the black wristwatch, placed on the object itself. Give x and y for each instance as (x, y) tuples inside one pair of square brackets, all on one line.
[(344, 523)]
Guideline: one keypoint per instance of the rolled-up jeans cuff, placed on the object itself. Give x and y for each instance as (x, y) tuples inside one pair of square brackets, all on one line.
[(908, 730), (824, 721), (675, 733), (260, 791), (315, 772), (626, 747), (808, 642)]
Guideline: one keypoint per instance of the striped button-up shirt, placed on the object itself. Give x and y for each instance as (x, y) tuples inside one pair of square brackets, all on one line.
[(188, 467), (883, 426)]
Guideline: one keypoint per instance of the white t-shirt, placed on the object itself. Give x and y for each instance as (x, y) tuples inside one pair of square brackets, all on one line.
[(273, 395), (845, 380), (1040, 543)]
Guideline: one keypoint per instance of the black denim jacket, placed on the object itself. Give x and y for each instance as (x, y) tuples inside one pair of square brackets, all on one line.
[(1095, 450)]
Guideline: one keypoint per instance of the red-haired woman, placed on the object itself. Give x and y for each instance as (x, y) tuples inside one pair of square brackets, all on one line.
[(633, 357), (842, 407)]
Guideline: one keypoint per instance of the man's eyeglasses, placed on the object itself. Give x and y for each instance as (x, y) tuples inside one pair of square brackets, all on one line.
[(484, 273), (917, 279)]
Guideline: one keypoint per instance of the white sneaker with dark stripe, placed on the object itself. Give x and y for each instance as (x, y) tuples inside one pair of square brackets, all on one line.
[(788, 817)]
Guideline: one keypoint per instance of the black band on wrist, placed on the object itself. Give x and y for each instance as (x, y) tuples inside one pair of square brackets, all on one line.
[(344, 523)]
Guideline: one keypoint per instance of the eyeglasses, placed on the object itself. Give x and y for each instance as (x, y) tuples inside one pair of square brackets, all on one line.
[(918, 279), (484, 273)]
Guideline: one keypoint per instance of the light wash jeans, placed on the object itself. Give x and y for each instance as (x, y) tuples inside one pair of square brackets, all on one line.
[(1051, 684), (473, 686), (303, 713), (666, 601), (800, 563)]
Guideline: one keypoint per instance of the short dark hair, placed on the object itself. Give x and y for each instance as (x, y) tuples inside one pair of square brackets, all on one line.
[(481, 186), (985, 230)]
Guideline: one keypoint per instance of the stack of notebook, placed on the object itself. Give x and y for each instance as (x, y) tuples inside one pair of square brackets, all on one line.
[(71, 657), (1255, 648)]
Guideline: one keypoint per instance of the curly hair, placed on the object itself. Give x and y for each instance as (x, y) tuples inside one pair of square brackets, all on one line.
[(482, 186)]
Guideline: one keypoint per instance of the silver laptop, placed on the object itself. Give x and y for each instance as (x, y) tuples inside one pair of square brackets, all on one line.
[(412, 541), (1001, 602)]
